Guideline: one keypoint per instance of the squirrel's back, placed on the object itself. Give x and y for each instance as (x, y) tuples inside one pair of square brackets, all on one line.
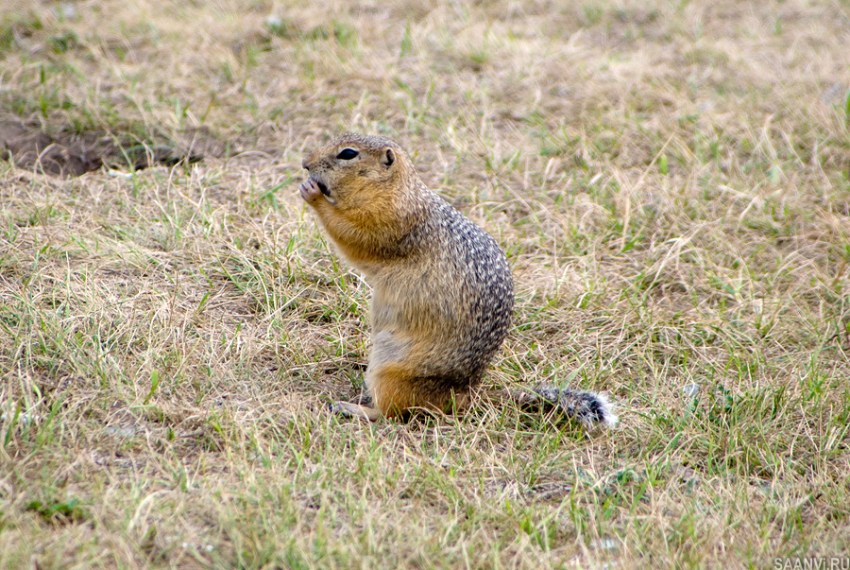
[(476, 287)]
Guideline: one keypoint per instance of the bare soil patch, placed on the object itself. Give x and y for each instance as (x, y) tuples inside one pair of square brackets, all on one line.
[(64, 151)]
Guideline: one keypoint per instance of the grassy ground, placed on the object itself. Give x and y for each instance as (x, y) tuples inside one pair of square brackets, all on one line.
[(670, 181)]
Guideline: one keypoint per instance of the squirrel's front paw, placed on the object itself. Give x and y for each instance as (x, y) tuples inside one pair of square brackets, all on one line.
[(310, 190), (313, 190)]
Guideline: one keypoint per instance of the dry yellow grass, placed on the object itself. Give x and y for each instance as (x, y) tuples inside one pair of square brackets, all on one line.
[(671, 182)]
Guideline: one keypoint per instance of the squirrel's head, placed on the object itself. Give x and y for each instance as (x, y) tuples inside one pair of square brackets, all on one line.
[(354, 170)]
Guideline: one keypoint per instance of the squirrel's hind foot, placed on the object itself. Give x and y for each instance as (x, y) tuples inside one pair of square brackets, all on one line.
[(351, 410)]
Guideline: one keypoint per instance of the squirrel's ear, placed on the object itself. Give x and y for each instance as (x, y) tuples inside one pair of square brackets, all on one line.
[(388, 158)]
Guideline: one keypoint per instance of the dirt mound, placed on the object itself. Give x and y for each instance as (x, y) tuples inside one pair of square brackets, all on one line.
[(66, 152)]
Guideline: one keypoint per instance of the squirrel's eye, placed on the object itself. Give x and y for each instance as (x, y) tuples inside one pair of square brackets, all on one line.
[(347, 154)]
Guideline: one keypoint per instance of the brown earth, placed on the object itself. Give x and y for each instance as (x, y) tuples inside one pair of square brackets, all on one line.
[(62, 151)]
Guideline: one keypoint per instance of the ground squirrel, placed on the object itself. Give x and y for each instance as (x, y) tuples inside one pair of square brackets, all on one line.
[(442, 288)]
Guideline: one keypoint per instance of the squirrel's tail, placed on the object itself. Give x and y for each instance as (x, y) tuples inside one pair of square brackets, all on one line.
[(590, 409)]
